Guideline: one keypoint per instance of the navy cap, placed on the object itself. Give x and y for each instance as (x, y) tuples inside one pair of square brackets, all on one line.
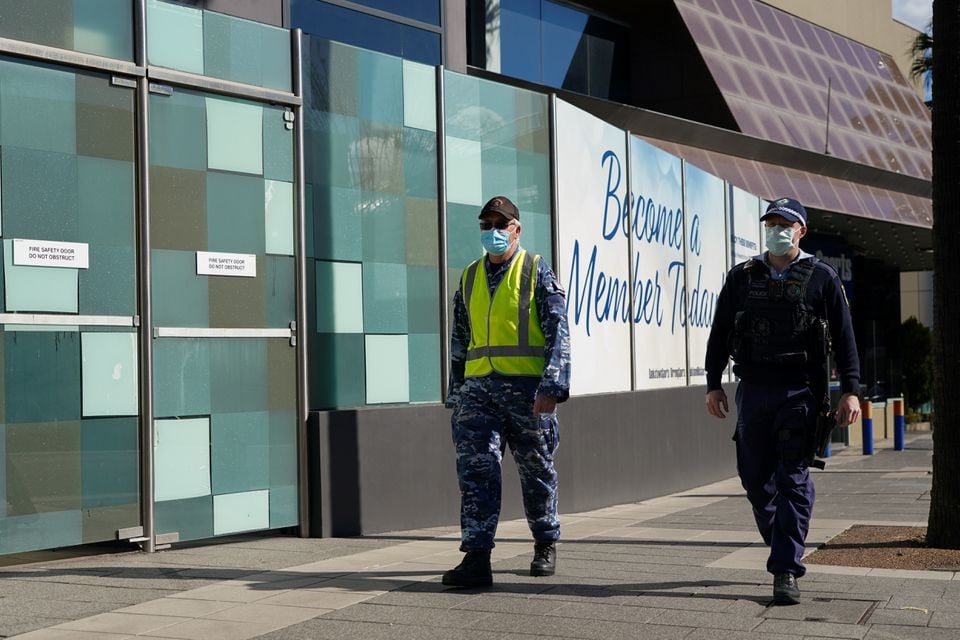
[(788, 208), (503, 206)]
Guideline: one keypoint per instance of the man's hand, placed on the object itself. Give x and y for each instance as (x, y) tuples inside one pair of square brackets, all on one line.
[(848, 410), (717, 403), (544, 404)]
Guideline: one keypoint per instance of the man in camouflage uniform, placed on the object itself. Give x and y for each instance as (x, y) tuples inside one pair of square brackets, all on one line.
[(510, 366)]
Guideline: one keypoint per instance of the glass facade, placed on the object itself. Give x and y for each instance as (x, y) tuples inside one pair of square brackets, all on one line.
[(100, 27)]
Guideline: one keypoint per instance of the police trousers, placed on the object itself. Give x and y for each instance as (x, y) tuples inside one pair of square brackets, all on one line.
[(495, 412), (772, 424)]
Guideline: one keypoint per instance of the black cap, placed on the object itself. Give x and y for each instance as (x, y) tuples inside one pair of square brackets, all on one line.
[(503, 206), (788, 208)]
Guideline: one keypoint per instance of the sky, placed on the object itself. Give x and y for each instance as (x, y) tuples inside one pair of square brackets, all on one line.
[(915, 13)]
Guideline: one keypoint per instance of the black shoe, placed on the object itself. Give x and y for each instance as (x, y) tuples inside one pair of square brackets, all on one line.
[(474, 571), (544, 559), (785, 589)]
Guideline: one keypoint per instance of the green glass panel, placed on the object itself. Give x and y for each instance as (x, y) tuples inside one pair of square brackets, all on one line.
[(283, 450), (533, 132), (464, 183), (175, 36), (3, 476), (37, 107), (43, 467), (380, 87), (421, 231), (109, 286), (181, 374), (109, 465), (180, 296), (178, 130), (383, 225), (284, 507), (236, 512), (235, 213), (191, 518), (420, 163), (238, 371), (423, 285), (237, 301), (536, 235), (337, 223), (240, 451), (533, 178), (388, 374), (500, 172), (103, 27), (498, 99), (106, 209), (181, 458), (246, 51), (376, 159), (277, 146), (40, 531), (463, 236), (281, 293), (309, 220), (38, 288), (384, 298), (178, 209), (339, 295), (337, 376), (101, 524), (461, 97), (40, 195), (104, 118), (419, 96), (234, 135), (332, 154), (109, 371), (331, 68), (47, 22), (424, 362), (278, 202), (41, 376), (1, 192)]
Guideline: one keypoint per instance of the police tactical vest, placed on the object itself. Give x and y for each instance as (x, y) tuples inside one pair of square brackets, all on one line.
[(505, 334), (775, 323)]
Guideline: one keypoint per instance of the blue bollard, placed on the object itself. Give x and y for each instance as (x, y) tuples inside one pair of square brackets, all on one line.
[(866, 410), (899, 425), (826, 451)]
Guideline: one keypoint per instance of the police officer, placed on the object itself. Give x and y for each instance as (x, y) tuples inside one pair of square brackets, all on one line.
[(510, 366), (773, 317)]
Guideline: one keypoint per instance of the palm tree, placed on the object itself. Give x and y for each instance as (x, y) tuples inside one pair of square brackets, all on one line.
[(943, 527), (921, 50)]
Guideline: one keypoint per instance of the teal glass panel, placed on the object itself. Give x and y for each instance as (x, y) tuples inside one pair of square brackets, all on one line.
[(331, 70), (283, 449), (536, 235), (463, 237), (109, 466), (339, 296), (175, 36), (384, 298), (420, 163), (281, 293), (41, 376), (37, 106), (281, 378), (277, 145), (246, 51), (376, 162), (332, 156), (109, 286), (181, 374), (43, 467), (181, 458), (40, 531), (234, 135), (240, 451), (423, 287), (423, 244), (379, 87), (499, 99), (101, 524), (500, 173), (278, 202), (337, 370), (103, 27), (178, 130), (178, 209), (383, 228), (46, 22), (109, 371), (235, 213), (191, 518), (533, 180), (337, 222), (388, 374), (38, 288), (424, 363), (461, 99), (180, 296), (3, 476), (238, 374), (419, 96), (236, 512), (104, 118), (464, 175), (106, 210), (283, 507), (40, 195)]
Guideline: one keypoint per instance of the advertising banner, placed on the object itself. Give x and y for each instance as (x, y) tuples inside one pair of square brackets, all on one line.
[(745, 240)]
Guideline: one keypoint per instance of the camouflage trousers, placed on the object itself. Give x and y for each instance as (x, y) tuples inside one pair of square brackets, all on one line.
[(493, 413)]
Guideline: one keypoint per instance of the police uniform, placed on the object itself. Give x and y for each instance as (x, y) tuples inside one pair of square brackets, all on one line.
[(509, 343), (776, 327)]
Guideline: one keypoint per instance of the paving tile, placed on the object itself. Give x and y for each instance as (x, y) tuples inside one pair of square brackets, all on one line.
[(552, 626), (121, 623), (227, 592), (365, 612), (324, 629), (894, 632), (611, 612), (264, 613), (203, 629), (908, 617), (320, 599), (67, 634), (710, 620), (180, 607), (818, 629)]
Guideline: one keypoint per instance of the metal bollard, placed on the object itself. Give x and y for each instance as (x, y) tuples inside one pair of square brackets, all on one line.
[(866, 410), (899, 425), (826, 451)]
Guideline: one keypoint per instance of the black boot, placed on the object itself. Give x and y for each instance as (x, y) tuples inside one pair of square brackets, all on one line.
[(474, 571), (785, 589), (544, 559)]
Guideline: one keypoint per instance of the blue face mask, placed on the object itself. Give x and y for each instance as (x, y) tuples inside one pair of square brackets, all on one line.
[(495, 241), (779, 240)]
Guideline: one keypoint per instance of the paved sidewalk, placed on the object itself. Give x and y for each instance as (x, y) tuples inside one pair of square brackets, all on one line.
[(687, 566)]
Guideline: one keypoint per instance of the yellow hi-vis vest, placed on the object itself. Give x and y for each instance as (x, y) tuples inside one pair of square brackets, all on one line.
[(505, 334)]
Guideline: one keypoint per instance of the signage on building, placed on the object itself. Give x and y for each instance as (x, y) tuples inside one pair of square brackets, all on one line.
[(47, 253), (226, 264), (745, 240)]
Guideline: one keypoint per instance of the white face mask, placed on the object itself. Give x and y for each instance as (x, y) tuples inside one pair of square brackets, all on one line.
[(779, 240)]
